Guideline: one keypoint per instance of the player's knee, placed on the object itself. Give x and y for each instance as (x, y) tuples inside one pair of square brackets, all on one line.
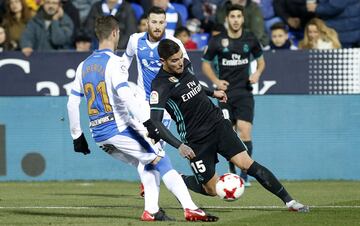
[(164, 165), (242, 160)]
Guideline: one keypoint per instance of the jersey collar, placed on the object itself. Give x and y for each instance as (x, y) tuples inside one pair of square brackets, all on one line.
[(103, 50)]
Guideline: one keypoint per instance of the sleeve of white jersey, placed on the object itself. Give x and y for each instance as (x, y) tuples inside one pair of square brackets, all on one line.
[(182, 47), (130, 50), (119, 79), (74, 103)]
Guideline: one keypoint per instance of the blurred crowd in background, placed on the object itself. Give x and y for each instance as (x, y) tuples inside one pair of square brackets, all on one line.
[(47, 25)]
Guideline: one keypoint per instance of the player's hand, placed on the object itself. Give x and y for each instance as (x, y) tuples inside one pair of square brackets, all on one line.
[(254, 78), (186, 151), (81, 145), (220, 95), (222, 85), (153, 132)]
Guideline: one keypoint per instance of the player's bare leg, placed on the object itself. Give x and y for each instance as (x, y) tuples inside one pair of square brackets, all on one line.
[(210, 186), (244, 129), (267, 180)]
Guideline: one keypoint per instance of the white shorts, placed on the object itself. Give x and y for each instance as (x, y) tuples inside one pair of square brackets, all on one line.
[(132, 146)]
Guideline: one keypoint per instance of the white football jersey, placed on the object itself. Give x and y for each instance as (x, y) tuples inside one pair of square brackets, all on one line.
[(103, 79)]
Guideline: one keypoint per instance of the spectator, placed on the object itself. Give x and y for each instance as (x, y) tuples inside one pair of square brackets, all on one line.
[(193, 25), (318, 36), (173, 18), (34, 5), (183, 34), (142, 25), (343, 16), (16, 17), (294, 13), (280, 37), (5, 45), (50, 29), (205, 11), (83, 6), (72, 12), (145, 4), (123, 12), (82, 41), (268, 12), (254, 21)]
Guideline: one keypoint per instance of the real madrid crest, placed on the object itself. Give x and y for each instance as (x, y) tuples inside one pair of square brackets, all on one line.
[(225, 42), (173, 79)]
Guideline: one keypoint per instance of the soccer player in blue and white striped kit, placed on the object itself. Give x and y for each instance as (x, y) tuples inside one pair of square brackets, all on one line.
[(102, 79)]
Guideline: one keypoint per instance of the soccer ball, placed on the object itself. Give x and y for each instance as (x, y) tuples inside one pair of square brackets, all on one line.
[(230, 187)]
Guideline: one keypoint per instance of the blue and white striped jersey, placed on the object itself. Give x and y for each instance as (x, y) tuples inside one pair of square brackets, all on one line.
[(147, 57), (103, 79), (172, 18)]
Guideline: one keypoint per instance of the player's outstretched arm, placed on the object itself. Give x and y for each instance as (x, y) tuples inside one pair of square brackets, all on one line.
[(156, 116), (79, 141), (73, 104)]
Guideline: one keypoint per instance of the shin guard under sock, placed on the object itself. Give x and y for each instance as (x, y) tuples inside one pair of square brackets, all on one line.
[(269, 181)]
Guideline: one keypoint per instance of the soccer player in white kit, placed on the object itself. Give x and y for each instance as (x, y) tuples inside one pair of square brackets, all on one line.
[(144, 47), (102, 79)]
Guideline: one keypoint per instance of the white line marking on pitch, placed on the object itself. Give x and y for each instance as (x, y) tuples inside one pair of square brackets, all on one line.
[(206, 207)]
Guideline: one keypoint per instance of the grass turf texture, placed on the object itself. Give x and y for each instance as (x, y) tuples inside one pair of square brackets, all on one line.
[(118, 203)]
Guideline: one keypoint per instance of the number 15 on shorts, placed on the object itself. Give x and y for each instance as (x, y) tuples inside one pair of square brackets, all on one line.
[(198, 166)]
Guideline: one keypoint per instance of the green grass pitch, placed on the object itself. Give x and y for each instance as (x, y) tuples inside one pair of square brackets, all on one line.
[(118, 203)]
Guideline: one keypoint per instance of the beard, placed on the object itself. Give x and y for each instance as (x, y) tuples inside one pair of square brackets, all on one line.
[(155, 36)]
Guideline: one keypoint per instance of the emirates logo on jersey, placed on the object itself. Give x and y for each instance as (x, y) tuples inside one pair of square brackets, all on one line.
[(235, 60)]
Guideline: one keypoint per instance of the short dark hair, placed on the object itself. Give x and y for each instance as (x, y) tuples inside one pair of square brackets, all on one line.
[(167, 48), (180, 30), (104, 25), (156, 10), (233, 7), (279, 25)]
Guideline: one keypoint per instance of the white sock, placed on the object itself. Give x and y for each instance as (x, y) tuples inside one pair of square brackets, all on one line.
[(174, 183), (151, 189)]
